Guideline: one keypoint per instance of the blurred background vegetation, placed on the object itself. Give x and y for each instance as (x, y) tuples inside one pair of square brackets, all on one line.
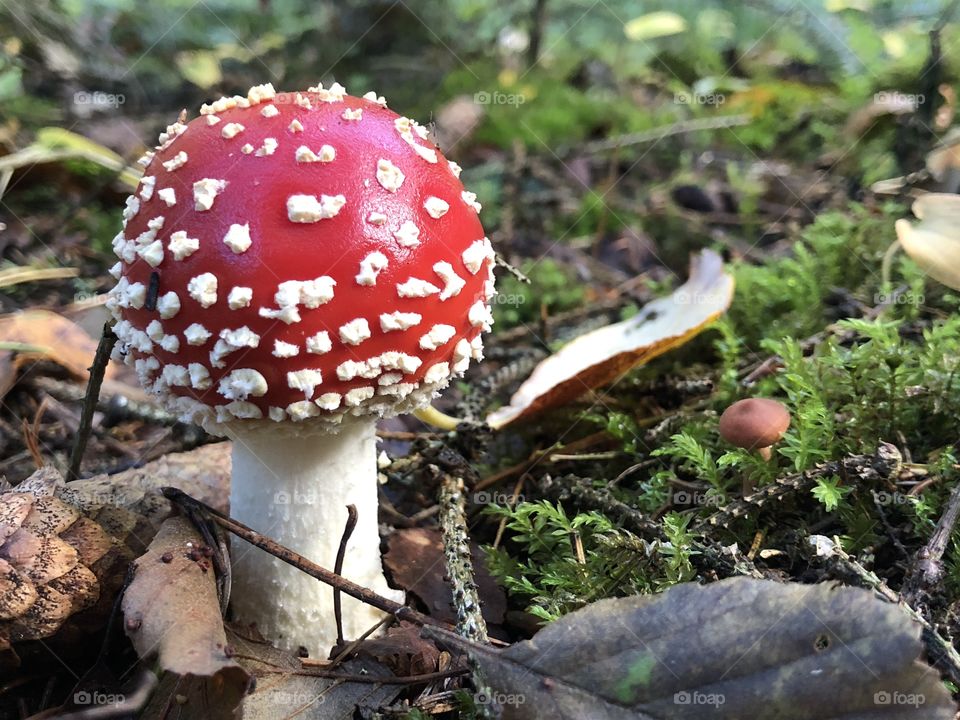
[(582, 108)]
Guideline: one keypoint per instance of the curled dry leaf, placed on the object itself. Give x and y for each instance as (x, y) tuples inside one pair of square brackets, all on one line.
[(739, 648), (943, 162), (171, 610), (603, 355), (41, 335), (934, 242), (890, 102), (403, 650)]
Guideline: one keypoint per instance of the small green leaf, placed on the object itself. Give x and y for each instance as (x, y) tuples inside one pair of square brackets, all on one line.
[(829, 492)]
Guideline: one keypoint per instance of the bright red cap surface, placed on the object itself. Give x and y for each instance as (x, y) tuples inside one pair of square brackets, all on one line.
[(294, 255)]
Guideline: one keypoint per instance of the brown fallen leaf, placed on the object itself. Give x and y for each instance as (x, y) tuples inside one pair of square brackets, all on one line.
[(202, 473), (414, 559), (601, 356), (403, 650), (943, 162), (738, 648), (32, 335), (171, 610), (456, 121), (884, 103)]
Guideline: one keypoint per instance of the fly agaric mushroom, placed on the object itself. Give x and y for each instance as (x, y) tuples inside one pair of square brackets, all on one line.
[(295, 266), (755, 424)]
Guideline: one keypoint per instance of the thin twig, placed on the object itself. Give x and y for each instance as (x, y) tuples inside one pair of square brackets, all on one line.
[(371, 679), (927, 569), (658, 133), (338, 566), (290, 557), (349, 649), (97, 371)]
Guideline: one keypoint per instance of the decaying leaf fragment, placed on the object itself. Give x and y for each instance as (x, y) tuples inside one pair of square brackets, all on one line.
[(738, 648), (285, 689), (414, 559), (171, 607), (601, 356), (171, 611)]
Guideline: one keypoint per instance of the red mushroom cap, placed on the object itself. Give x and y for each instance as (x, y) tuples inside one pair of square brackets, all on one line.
[(293, 255)]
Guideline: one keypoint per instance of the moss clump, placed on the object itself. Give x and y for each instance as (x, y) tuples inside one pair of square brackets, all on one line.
[(850, 383)]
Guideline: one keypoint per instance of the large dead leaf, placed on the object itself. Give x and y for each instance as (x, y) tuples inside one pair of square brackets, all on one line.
[(203, 473), (403, 650), (171, 610), (739, 648), (414, 559), (603, 355), (33, 335)]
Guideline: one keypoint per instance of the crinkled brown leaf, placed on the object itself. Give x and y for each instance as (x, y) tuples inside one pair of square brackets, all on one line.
[(601, 356), (739, 648), (403, 650), (171, 610)]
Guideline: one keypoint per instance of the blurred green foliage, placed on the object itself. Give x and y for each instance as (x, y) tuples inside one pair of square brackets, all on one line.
[(551, 286)]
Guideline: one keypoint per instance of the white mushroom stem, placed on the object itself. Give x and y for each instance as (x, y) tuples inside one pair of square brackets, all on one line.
[(295, 488)]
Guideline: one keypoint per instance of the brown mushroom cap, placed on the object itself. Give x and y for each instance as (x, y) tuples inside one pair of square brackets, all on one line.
[(754, 423)]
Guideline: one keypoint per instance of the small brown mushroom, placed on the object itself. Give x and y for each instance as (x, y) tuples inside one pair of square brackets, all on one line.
[(755, 424)]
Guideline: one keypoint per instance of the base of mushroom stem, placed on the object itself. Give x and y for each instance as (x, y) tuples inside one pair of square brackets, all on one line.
[(295, 490)]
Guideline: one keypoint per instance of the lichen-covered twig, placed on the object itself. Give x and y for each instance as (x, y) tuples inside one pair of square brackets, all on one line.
[(585, 496), (456, 549)]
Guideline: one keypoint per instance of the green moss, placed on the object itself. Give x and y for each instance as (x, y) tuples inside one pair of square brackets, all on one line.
[(892, 378), (541, 562)]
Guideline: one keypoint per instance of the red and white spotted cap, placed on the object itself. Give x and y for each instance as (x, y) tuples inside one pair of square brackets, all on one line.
[(299, 255)]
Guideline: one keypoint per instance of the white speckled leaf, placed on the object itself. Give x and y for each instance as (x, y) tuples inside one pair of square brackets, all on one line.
[(601, 356)]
